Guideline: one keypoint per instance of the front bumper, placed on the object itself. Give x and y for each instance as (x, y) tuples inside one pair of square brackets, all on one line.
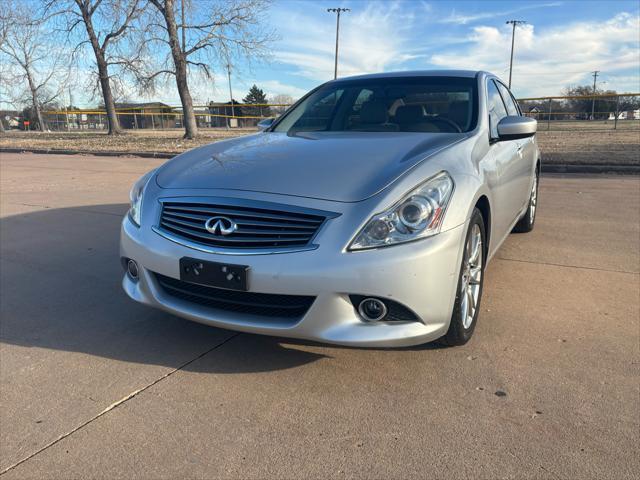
[(421, 275)]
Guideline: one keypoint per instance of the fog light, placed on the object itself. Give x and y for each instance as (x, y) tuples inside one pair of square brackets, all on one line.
[(372, 309), (132, 269)]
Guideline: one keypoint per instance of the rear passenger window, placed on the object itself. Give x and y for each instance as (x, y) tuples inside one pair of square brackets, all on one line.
[(496, 108), (512, 109)]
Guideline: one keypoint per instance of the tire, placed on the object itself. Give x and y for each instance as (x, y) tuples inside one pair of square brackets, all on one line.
[(463, 322), (527, 222)]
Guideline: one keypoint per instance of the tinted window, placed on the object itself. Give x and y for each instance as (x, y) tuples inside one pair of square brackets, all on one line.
[(508, 100), (497, 111), (318, 114), (414, 104)]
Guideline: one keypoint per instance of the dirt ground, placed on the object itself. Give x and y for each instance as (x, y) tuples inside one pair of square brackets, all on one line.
[(564, 143), (602, 147)]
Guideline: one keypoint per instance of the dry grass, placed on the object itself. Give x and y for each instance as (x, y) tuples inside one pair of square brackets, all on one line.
[(159, 141), (564, 143), (611, 147)]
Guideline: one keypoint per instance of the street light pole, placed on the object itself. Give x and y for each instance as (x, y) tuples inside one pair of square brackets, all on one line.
[(513, 37), (593, 99), (233, 114), (338, 11)]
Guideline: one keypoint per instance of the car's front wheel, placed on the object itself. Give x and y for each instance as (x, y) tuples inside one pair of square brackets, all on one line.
[(467, 304)]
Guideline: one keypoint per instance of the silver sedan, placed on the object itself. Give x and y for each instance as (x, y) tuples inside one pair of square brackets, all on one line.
[(365, 215)]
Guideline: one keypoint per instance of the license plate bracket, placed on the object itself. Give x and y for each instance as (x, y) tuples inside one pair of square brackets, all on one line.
[(214, 274)]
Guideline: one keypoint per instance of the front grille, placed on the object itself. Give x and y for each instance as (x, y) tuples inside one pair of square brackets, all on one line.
[(257, 227), (262, 304)]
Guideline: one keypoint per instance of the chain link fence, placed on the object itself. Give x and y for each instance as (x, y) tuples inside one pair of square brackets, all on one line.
[(158, 116), (591, 112), (571, 113)]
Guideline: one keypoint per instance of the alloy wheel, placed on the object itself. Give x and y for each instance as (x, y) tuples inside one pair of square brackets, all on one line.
[(533, 202), (471, 276)]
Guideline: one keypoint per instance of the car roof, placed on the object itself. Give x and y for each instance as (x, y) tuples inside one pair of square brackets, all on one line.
[(416, 73)]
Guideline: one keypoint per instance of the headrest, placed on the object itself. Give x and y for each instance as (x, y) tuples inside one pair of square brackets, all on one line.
[(410, 114), (459, 113), (373, 112)]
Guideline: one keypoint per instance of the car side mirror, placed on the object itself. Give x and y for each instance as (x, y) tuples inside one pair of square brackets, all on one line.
[(264, 124), (513, 128)]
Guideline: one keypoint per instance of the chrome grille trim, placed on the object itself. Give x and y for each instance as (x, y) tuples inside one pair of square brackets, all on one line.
[(263, 227)]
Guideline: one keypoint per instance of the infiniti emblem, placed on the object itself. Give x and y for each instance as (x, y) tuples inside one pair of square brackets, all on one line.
[(220, 226)]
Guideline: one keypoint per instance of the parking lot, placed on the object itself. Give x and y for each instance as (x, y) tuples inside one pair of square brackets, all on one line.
[(94, 385)]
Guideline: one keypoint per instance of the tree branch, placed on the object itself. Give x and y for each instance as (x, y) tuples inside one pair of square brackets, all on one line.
[(201, 65), (159, 72), (123, 27)]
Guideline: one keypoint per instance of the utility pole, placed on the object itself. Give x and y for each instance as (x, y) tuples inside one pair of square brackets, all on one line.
[(593, 99), (233, 114), (66, 112), (338, 11), (71, 107), (513, 37)]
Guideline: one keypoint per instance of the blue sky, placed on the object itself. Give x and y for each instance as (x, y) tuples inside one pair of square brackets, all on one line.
[(561, 43), (559, 46)]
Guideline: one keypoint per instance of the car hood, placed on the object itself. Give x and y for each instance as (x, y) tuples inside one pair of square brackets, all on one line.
[(337, 166)]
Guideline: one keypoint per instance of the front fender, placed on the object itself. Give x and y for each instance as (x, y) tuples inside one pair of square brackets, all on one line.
[(469, 192)]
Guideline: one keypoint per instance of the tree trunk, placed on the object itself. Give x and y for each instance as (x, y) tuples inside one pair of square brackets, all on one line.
[(180, 63), (1, 126), (103, 73), (36, 103), (112, 116)]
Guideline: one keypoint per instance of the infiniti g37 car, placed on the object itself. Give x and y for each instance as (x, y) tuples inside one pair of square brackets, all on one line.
[(364, 215)]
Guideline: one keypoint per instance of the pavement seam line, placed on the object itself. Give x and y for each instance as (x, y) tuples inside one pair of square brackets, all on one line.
[(116, 405), (567, 266)]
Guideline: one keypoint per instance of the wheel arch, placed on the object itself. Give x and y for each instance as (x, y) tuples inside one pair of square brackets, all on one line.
[(484, 206)]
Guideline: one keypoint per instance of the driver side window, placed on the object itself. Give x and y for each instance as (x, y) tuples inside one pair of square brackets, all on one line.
[(497, 110)]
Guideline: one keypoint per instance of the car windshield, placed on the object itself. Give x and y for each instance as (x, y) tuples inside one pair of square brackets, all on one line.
[(402, 104)]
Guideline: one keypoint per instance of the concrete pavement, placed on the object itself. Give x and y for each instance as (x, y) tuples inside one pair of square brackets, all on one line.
[(94, 385)]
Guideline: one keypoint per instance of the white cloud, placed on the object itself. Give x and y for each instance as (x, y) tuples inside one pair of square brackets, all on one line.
[(547, 61), (372, 39), (462, 19), (274, 87)]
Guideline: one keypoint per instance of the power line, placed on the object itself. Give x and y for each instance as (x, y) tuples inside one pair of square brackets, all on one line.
[(338, 11), (513, 37)]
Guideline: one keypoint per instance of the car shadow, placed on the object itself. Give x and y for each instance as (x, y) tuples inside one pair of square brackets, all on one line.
[(60, 289)]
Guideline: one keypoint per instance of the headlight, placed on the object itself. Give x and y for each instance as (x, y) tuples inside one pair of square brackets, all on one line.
[(135, 196), (419, 214)]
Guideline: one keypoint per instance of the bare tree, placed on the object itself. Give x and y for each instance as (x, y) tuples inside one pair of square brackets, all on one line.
[(106, 24), (31, 58), (618, 104), (207, 33), (281, 102)]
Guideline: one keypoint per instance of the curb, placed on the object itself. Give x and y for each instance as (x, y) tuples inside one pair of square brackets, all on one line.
[(591, 168), (115, 153), (546, 168)]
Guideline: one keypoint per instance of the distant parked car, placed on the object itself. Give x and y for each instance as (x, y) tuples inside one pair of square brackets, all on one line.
[(365, 215)]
